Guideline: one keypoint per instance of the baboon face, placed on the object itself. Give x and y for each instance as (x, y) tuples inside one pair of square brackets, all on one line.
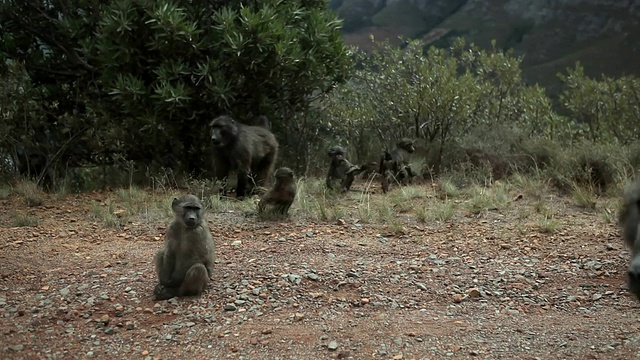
[(188, 209), (336, 151), (223, 131), (283, 173), (407, 145)]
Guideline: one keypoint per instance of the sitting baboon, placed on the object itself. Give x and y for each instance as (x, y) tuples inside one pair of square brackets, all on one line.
[(185, 264), (629, 220), (394, 164), (342, 169), (245, 149), (281, 196)]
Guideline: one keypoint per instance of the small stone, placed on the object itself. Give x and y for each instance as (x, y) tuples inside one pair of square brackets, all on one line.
[(364, 301), (109, 331), (398, 357), (230, 307), (457, 298), (473, 293), (129, 325), (18, 347), (144, 353), (298, 316), (104, 319), (333, 345)]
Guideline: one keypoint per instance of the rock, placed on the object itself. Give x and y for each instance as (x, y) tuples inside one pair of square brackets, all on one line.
[(473, 293), (333, 345), (18, 347), (230, 307)]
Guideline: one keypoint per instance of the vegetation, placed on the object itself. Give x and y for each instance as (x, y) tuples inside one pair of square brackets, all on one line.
[(105, 94)]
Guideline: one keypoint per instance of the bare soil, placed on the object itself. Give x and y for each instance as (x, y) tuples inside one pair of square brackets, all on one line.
[(487, 286)]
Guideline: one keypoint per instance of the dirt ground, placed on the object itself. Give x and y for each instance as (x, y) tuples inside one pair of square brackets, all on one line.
[(488, 286)]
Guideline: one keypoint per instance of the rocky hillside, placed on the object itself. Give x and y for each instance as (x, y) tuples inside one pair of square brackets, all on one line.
[(604, 35)]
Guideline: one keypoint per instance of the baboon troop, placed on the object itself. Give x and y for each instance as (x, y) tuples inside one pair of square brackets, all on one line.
[(185, 264), (281, 196), (394, 164), (629, 220), (249, 150)]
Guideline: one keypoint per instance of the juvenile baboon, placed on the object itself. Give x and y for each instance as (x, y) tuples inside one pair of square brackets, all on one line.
[(245, 149), (394, 164), (281, 196), (629, 220), (185, 264), (341, 169)]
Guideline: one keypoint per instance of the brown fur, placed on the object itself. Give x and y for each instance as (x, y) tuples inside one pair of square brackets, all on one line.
[(245, 149), (629, 220), (283, 193), (185, 264), (341, 169), (394, 164)]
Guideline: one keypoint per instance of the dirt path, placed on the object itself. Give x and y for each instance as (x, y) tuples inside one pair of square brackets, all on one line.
[(488, 287)]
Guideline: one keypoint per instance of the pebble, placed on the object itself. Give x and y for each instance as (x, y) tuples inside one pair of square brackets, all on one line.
[(18, 347), (333, 345)]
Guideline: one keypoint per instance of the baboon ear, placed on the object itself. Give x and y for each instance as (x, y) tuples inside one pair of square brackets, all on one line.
[(175, 203)]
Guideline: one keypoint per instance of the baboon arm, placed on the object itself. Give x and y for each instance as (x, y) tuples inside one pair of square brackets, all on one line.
[(328, 181), (167, 270)]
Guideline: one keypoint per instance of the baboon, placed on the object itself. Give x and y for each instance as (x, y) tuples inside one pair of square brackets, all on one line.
[(185, 264), (281, 196), (245, 149), (629, 221), (342, 169), (394, 164)]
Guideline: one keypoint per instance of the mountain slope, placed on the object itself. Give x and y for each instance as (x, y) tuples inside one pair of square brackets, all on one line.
[(551, 35)]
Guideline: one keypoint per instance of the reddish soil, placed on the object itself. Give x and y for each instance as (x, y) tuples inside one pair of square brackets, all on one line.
[(488, 286)]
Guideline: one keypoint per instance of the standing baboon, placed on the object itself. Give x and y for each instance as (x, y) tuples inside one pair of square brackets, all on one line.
[(185, 264), (245, 149), (342, 169), (629, 220), (281, 196), (394, 164)]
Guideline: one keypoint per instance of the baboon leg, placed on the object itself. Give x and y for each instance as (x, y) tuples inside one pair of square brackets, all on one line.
[(263, 172), (222, 176), (162, 292), (634, 275), (348, 180), (328, 182), (195, 281), (634, 267), (241, 187)]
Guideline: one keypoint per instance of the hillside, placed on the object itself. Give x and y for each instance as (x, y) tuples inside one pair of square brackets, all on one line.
[(551, 35)]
